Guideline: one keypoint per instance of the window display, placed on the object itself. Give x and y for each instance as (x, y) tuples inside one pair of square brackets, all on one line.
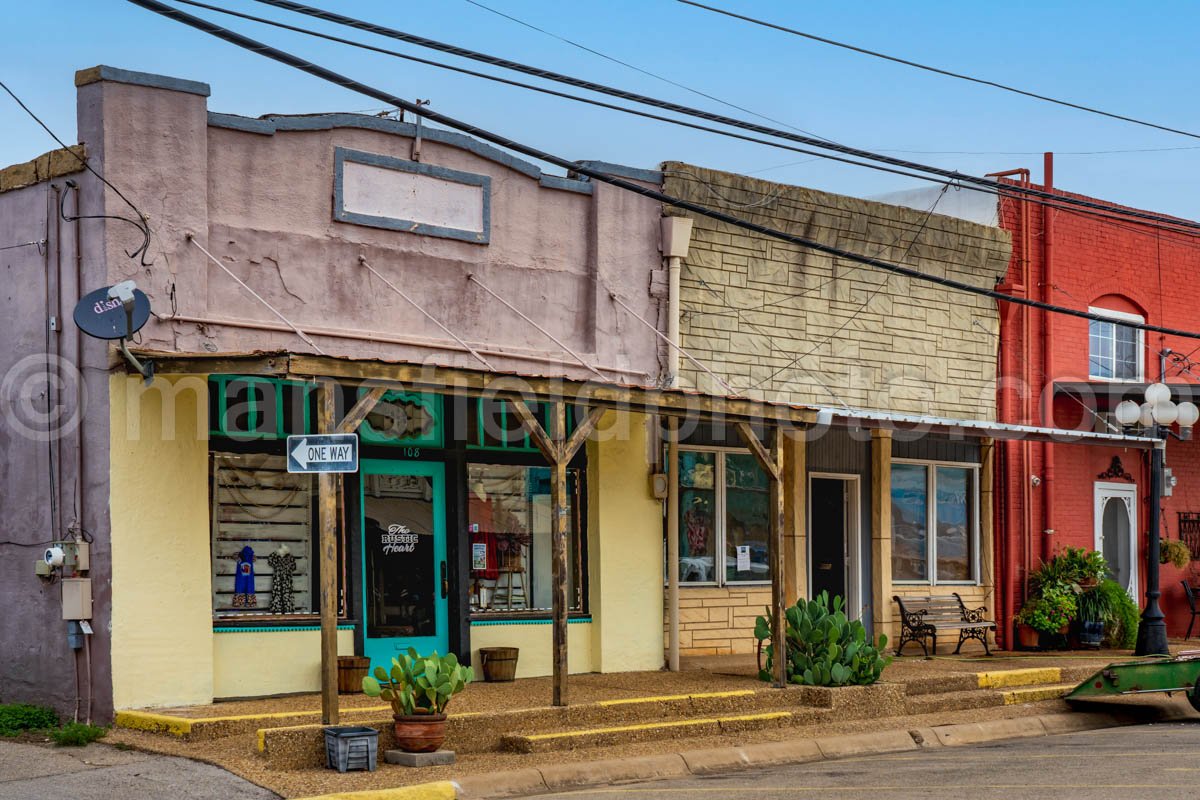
[(941, 498), (722, 518)]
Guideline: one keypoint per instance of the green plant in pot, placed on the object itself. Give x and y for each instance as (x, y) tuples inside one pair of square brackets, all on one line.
[(1050, 610), (1095, 609), (1121, 626), (419, 690), (1174, 552)]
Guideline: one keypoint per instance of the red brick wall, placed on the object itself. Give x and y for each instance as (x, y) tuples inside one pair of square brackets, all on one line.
[(1151, 272)]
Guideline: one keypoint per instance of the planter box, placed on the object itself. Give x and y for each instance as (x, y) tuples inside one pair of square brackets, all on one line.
[(352, 747)]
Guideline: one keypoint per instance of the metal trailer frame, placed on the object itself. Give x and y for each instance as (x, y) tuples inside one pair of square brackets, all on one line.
[(1154, 675)]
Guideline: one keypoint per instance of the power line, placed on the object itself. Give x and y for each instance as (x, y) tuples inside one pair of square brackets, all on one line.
[(988, 186), (636, 68), (948, 175), (141, 252), (938, 70), (499, 140)]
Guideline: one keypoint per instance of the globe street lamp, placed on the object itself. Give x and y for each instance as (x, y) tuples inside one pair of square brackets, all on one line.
[(1156, 415)]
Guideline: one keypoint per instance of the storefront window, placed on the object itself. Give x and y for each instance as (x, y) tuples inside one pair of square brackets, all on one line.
[(722, 511), (951, 515), (508, 515), (262, 537)]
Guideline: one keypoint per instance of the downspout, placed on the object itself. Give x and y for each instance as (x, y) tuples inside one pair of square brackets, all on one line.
[(1047, 547), (676, 236)]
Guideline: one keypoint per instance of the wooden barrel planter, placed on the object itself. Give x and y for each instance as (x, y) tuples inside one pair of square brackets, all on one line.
[(351, 671), (499, 663)]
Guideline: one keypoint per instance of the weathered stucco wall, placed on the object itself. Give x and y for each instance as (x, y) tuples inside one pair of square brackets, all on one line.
[(262, 663), (781, 321), (263, 195)]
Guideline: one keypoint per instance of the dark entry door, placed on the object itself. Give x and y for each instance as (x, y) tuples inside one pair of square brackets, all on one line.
[(827, 534)]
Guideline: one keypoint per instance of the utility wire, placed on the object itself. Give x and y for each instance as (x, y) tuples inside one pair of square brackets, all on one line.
[(636, 68), (40, 244), (499, 140), (141, 252), (989, 187), (937, 70), (946, 174)]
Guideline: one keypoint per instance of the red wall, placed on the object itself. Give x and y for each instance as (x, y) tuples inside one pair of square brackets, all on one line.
[(1151, 272)]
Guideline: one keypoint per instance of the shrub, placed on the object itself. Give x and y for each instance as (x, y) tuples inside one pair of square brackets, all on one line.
[(17, 718), (1071, 566), (824, 648), (1122, 624), (1173, 551), (76, 734)]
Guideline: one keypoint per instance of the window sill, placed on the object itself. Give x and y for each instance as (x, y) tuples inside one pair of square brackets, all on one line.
[(527, 618)]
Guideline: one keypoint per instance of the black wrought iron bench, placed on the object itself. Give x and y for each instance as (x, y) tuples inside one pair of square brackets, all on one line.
[(922, 617)]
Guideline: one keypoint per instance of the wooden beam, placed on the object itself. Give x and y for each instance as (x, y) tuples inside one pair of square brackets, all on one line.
[(672, 544), (795, 516), (365, 405), (775, 547), (558, 553), (769, 463), (581, 433), (987, 528), (881, 532), (541, 440), (327, 547)]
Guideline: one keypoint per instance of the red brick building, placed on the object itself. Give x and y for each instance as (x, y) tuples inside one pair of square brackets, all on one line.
[(1071, 373)]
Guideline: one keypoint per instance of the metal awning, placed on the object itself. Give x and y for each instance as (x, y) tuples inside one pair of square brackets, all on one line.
[(982, 428)]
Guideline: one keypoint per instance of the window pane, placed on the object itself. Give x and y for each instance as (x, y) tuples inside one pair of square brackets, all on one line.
[(746, 490), (508, 515), (697, 517), (910, 514), (1100, 349), (401, 572), (1125, 364), (955, 524), (262, 543)]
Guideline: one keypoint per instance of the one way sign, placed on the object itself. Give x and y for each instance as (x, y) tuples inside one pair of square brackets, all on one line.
[(334, 452)]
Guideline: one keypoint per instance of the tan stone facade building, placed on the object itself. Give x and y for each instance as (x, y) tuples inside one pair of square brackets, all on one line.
[(877, 510)]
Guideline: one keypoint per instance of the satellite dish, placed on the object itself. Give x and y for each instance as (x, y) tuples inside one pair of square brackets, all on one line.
[(101, 314)]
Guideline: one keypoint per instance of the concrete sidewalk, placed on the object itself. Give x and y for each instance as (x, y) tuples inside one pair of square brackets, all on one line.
[(101, 772)]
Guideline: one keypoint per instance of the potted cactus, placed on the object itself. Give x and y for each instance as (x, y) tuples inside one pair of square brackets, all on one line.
[(419, 689)]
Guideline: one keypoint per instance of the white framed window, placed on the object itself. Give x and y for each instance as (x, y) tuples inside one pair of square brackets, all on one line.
[(723, 523), (1115, 351), (935, 522)]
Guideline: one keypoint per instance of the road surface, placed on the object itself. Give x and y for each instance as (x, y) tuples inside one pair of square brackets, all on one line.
[(1146, 761)]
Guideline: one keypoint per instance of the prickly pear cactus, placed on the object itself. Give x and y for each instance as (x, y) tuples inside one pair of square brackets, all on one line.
[(824, 647)]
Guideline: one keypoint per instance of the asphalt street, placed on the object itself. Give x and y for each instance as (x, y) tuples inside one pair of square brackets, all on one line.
[(100, 772), (1145, 761)]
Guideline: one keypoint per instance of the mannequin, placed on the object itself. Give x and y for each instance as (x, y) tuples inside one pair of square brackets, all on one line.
[(283, 573)]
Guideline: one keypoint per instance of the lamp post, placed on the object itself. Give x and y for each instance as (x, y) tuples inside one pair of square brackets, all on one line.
[(1156, 416)]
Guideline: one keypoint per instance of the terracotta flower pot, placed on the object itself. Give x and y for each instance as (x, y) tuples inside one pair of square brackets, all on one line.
[(419, 733), (1027, 637)]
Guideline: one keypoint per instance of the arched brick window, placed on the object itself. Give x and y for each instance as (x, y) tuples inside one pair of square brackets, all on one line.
[(1116, 352)]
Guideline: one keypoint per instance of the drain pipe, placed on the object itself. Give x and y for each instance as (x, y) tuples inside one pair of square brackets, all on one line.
[(1047, 352), (676, 236)]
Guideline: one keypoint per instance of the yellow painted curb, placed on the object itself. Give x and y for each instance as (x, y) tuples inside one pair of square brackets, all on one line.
[(542, 737), (155, 723), (670, 697), (1018, 677), (1035, 693), (439, 790)]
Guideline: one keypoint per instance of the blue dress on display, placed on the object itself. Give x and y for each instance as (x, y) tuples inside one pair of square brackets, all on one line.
[(243, 581)]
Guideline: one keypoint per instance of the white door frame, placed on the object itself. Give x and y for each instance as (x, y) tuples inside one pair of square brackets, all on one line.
[(1128, 492), (852, 534)]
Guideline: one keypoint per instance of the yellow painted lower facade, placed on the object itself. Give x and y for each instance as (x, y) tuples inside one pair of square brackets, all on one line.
[(165, 649)]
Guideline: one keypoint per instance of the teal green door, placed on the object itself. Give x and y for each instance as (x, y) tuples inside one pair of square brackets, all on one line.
[(404, 558)]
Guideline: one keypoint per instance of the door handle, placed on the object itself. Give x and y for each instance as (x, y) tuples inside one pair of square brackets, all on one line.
[(445, 582)]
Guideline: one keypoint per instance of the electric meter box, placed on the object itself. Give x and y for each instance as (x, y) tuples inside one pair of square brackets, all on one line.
[(77, 598)]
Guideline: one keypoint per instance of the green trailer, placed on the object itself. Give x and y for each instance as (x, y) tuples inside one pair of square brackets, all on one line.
[(1146, 676)]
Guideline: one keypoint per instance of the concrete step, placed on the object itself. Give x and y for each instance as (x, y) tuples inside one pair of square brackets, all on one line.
[(1034, 694), (952, 701), (629, 734)]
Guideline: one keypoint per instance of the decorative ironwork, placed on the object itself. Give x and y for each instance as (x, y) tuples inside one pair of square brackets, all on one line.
[(1189, 531), (931, 614), (1115, 470)]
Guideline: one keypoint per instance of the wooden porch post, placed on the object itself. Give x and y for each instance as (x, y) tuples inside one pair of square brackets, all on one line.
[(795, 510), (987, 514), (327, 500), (673, 544), (881, 531), (327, 504), (558, 449), (772, 462)]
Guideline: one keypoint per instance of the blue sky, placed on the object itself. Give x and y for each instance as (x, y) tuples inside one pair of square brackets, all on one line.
[(1135, 59)]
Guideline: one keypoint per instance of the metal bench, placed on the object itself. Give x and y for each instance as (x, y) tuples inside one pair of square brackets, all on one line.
[(922, 617)]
